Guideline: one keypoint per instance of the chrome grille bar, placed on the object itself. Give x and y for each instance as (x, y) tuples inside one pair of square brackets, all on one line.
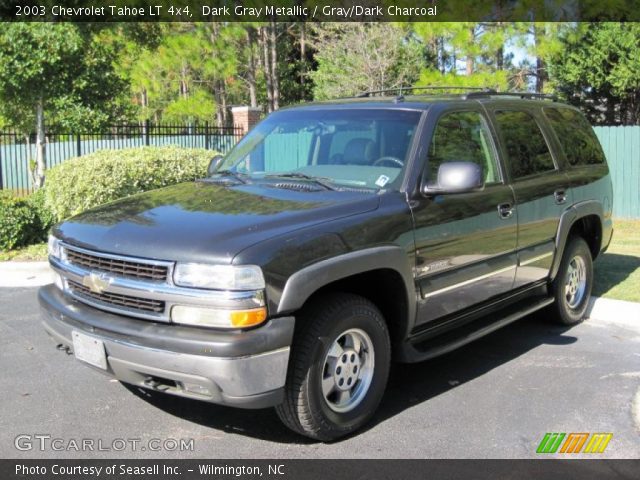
[(125, 301), (137, 269)]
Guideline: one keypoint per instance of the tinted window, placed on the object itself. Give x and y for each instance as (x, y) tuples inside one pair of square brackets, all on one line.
[(462, 137), (349, 147), (527, 149), (576, 136)]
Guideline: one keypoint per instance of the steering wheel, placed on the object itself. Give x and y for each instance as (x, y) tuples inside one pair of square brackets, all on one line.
[(389, 159)]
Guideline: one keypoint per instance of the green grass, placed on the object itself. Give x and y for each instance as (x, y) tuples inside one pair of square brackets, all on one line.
[(24, 254), (617, 272)]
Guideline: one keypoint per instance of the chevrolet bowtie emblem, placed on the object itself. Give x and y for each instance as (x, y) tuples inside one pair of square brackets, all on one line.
[(96, 282)]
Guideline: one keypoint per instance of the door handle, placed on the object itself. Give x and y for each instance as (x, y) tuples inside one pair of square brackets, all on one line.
[(560, 196), (505, 210)]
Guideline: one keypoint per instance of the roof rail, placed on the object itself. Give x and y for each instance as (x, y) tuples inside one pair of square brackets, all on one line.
[(522, 95), (400, 90)]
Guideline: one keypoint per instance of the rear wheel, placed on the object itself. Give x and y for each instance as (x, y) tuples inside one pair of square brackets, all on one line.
[(573, 283), (338, 369)]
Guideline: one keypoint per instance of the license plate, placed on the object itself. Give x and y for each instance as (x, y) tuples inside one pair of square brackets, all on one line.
[(89, 350)]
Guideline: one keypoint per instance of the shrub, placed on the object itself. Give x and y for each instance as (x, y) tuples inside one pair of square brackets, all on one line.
[(19, 223), (85, 182), (44, 215)]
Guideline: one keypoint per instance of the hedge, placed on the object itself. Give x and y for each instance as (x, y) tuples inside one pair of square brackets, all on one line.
[(20, 223), (106, 175)]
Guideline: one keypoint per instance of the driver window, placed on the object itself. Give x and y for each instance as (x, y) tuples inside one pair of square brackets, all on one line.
[(462, 137)]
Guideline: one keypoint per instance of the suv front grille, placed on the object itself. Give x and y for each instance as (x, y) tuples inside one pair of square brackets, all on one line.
[(122, 268), (116, 300)]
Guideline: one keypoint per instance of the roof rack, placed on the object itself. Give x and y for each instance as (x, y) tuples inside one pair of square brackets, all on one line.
[(401, 90), (522, 95)]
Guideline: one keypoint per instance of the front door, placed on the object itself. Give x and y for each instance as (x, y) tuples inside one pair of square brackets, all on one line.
[(465, 242)]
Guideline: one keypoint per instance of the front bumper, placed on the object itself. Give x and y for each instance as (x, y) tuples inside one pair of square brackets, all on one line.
[(244, 368)]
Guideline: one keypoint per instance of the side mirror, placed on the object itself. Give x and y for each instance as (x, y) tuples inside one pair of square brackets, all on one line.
[(214, 164), (456, 177)]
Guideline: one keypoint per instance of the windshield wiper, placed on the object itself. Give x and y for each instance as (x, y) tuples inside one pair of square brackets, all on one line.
[(322, 181), (230, 173)]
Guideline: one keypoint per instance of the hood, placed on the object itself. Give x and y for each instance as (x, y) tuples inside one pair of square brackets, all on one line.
[(205, 222)]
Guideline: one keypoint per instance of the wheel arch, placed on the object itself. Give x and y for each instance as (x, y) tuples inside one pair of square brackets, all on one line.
[(383, 275), (584, 219)]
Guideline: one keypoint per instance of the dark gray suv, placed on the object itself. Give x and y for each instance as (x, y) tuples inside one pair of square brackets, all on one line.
[(335, 238)]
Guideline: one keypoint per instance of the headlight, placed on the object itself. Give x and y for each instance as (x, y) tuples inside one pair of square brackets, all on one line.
[(54, 246), (219, 277), (213, 317)]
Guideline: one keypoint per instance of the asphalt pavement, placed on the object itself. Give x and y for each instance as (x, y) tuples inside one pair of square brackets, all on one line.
[(495, 398)]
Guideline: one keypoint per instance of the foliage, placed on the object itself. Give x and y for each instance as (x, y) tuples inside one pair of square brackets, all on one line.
[(90, 75), (44, 215), (64, 65), (597, 69), (19, 223), (200, 106), (85, 182), (355, 57)]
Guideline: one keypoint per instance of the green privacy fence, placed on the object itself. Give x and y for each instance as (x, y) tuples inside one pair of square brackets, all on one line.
[(621, 145), (18, 151)]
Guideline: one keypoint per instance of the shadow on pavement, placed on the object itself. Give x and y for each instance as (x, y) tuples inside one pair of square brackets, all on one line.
[(408, 386)]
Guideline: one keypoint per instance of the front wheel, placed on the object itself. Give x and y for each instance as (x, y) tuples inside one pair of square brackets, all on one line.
[(338, 369), (572, 285)]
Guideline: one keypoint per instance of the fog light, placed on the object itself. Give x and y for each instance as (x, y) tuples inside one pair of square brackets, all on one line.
[(211, 317), (195, 388)]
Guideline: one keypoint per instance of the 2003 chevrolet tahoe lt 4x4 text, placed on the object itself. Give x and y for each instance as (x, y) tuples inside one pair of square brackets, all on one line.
[(332, 239)]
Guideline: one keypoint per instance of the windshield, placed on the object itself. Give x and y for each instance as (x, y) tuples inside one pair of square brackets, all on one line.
[(358, 148)]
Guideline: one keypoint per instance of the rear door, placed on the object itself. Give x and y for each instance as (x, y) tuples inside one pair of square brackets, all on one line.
[(465, 242), (539, 186)]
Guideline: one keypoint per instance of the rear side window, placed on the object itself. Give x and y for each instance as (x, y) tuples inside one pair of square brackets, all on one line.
[(580, 144), (527, 150)]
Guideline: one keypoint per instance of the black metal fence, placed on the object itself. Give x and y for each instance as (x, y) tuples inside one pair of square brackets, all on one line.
[(17, 151)]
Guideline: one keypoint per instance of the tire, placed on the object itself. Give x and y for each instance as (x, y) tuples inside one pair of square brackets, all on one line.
[(325, 360), (572, 286)]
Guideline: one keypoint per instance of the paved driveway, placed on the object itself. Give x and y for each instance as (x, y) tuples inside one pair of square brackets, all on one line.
[(495, 398)]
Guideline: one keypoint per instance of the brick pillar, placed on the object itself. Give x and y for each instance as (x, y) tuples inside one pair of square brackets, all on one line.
[(245, 117)]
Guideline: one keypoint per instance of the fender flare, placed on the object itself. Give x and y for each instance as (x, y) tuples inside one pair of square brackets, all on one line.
[(305, 282), (567, 220)]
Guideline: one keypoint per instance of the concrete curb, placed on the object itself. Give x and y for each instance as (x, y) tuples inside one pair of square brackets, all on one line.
[(24, 274), (34, 274), (614, 311)]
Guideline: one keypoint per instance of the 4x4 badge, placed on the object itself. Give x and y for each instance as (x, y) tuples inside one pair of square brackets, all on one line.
[(96, 282)]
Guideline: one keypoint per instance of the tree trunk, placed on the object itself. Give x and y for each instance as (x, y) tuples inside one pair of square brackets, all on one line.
[(41, 160), (275, 83), (541, 71), (184, 86), (266, 67), (253, 67), (218, 99), (223, 103), (540, 75), (470, 59), (442, 56), (303, 52)]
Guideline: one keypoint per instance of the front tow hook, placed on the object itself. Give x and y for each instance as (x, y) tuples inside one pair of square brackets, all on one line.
[(64, 348)]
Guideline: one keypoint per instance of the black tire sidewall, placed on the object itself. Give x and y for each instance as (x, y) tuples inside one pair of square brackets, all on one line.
[(577, 246), (373, 324)]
